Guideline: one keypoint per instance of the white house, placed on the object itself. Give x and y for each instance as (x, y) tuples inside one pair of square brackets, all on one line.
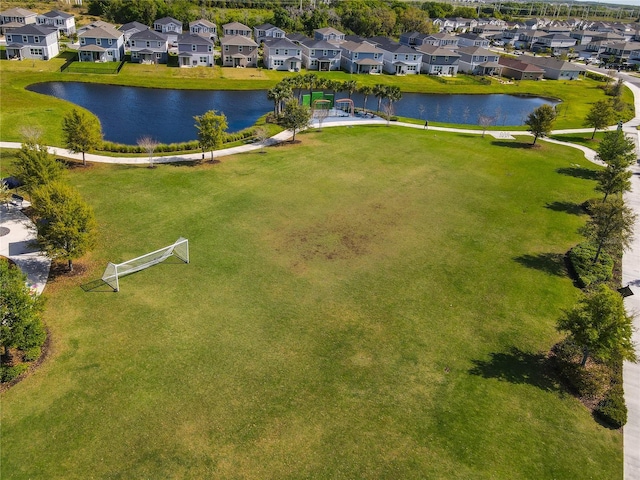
[(65, 23)]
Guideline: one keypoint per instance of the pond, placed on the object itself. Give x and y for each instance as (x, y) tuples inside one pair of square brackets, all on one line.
[(128, 113)]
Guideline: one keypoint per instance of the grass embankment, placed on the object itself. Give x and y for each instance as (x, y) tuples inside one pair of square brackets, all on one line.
[(372, 303), (18, 106)]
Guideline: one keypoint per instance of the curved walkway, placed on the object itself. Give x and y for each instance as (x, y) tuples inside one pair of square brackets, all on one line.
[(18, 244)]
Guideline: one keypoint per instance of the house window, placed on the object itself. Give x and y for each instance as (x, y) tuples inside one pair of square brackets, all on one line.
[(313, 53), (25, 39), (36, 39), (226, 48), (82, 41), (355, 55), (433, 59), (324, 53), (148, 44), (210, 48), (158, 55), (314, 63), (193, 48), (134, 55), (227, 59), (35, 51), (446, 59), (98, 41), (277, 51), (110, 42), (9, 39), (395, 57), (203, 59), (240, 48)]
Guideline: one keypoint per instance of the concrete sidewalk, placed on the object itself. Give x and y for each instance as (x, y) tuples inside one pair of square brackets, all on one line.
[(19, 245)]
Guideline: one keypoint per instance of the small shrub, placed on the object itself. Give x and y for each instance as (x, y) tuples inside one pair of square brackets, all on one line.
[(581, 259), (9, 373), (612, 409), (32, 354), (596, 76), (588, 383)]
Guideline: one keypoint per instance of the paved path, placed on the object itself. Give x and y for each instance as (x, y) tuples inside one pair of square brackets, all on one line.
[(19, 245)]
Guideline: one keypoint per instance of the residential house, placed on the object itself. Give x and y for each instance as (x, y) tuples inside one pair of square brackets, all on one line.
[(236, 29), (267, 31), (557, 43), (195, 51), (282, 54), (554, 69), (95, 24), (487, 30), (621, 52), (148, 46), (320, 55), (170, 27), (329, 34), (478, 61), (101, 44), (438, 60), (204, 28), (129, 29), (514, 68), (442, 39), (396, 58), (239, 51), (527, 38), (65, 23), (360, 57), (455, 24), (32, 41), (16, 18), (472, 40)]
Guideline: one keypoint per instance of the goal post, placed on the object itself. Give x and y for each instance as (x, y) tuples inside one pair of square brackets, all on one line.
[(113, 272)]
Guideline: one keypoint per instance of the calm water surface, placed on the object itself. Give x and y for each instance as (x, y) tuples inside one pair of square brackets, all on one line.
[(128, 113)]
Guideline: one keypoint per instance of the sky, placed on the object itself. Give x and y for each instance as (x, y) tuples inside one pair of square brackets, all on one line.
[(634, 3)]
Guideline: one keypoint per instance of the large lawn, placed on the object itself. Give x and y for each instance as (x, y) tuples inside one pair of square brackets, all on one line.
[(371, 303)]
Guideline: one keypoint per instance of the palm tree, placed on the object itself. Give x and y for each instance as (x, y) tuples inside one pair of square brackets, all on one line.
[(393, 94), (350, 86), (310, 81), (380, 91), (279, 94), (365, 91)]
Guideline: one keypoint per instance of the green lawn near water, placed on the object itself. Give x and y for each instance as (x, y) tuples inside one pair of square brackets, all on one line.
[(373, 302)]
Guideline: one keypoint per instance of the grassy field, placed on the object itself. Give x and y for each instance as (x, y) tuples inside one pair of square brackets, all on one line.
[(371, 303), (18, 106)]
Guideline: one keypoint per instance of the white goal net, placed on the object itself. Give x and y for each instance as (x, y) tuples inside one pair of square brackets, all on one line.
[(113, 272)]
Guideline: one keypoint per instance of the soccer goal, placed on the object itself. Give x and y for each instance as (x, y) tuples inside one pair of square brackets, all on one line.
[(114, 271)]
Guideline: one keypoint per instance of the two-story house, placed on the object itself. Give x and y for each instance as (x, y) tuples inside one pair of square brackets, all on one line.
[(101, 44), (236, 29), (238, 51), (442, 39), (329, 34), (396, 58), (438, 60), (556, 42), (282, 54), (32, 41), (360, 57), (129, 29), (320, 55), (205, 28), (195, 51), (267, 31), (16, 18), (472, 40), (478, 61), (148, 46), (170, 27), (65, 23)]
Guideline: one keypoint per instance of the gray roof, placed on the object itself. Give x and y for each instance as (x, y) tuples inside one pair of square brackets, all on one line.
[(167, 21), (437, 51), (319, 44), (149, 35), (56, 13), (476, 51), (104, 31), (17, 12), (265, 26), (202, 21), (279, 43), (33, 29), (194, 39), (133, 26), (237, 40)]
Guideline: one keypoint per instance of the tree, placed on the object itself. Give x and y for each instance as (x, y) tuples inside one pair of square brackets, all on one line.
[(295, 117), (262, 134), (211, 129), (280, 93), (66, 225), (365, 91), (540, 121), (35, 166), (349, 86), (20, 321), (600, 325), (485, 121), (380, 92), (600, 116), (610, 225), (618, 153), (149, 145), (82, 132)]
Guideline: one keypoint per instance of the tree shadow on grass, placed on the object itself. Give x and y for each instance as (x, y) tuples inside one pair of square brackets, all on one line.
[(518, 367), (566, 207), (511, 144), (551, 263), (579, 172)]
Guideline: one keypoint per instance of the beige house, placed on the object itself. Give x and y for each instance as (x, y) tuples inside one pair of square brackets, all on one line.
[(238, 51)]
